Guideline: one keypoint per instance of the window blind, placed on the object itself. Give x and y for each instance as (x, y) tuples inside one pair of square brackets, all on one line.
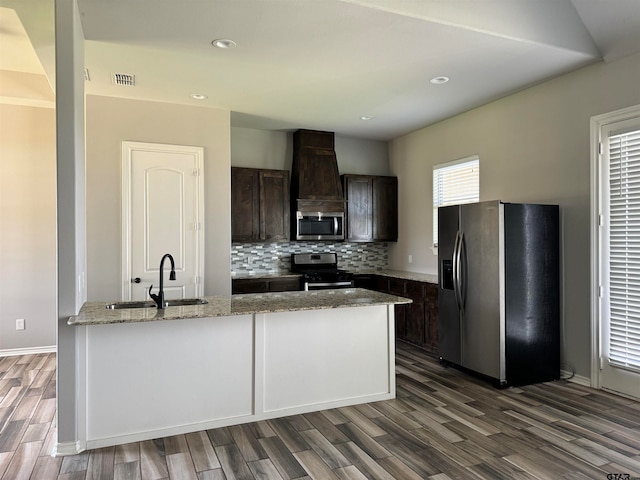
[(455, 183), (624, 249)]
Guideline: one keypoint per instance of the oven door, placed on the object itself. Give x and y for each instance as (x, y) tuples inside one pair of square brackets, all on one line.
[(320, 226), (328, 285)]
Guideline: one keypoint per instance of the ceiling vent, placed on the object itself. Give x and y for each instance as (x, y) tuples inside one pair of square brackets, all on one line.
[(124, 79)]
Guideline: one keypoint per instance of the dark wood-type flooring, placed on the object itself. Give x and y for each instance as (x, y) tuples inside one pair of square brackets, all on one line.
[(443, 425)]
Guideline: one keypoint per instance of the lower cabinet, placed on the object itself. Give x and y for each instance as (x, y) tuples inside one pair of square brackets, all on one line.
[(431, 307), (262, 285), (417, 322)]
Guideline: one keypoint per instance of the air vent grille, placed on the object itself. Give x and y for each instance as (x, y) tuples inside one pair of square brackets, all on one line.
[(124, 79)]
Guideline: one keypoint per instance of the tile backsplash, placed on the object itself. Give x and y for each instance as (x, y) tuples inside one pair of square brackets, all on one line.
[(261, 258)]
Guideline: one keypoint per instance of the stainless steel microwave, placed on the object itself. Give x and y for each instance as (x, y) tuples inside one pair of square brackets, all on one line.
[(319, 225)]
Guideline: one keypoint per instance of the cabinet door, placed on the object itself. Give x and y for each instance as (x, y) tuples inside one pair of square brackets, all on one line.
[(385, 209), (415, 322), (396, 286), (401, 321), (431, 333), (274, 205), (245, 199), (381, 284), (416, 291), (358, 194)]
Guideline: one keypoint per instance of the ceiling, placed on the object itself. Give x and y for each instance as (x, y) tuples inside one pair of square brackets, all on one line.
[(324, 64)]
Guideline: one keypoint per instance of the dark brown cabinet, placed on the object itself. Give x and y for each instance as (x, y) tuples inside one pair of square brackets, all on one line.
[(431, 313), (357, 191), (259, 205), (314, 172), (416, 322), (417, 318), (385, 209), (261, 285), (372, 208)]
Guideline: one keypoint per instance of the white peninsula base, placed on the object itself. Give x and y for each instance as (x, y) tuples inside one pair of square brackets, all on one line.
[(139, 381)]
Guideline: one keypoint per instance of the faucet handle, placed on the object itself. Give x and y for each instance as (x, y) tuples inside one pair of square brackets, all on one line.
[(155, 298)]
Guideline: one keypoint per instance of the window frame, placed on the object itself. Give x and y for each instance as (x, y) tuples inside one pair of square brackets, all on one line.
[(600, 368), (438, 200)]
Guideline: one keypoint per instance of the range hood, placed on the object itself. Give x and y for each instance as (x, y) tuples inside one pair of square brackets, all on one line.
[(315, 180)]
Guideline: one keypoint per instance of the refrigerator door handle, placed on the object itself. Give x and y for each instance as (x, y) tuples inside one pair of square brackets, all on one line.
[(456, 270), (461, 287)]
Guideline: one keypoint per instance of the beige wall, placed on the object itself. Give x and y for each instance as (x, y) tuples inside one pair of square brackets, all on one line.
[(533, 147), (27, 226), (113, 120), (274, 150)]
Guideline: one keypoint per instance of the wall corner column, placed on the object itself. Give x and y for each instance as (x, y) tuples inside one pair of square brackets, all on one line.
[(71, 233)]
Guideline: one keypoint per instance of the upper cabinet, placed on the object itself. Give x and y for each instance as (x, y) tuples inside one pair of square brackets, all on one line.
[(385, 209), (372, 208), (259, 205)]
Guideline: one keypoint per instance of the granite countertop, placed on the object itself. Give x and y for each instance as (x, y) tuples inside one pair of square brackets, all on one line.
[(96, 313), (267, 275), (418, 277)]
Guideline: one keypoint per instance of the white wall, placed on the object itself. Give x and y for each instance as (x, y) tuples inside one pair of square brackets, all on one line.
[(274, 150), (27, 227), (110, 121), (533, 147)]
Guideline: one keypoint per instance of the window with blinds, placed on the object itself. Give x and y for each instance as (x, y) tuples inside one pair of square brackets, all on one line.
[(455, 183), (624, 248)]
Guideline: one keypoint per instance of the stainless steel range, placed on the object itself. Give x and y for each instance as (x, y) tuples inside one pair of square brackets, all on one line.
[(320, 271)]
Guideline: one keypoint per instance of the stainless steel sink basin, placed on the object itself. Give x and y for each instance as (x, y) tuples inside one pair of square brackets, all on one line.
[(120, 305), (179, 302)]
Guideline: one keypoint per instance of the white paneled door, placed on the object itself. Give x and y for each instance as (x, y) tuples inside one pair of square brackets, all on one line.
[(619, 252), (162, 213)]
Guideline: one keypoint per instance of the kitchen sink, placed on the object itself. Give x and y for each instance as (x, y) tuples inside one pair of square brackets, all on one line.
[(178, 302), (121, 305)]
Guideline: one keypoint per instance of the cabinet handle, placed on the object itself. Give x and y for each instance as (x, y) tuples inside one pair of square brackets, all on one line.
[(136, 280)]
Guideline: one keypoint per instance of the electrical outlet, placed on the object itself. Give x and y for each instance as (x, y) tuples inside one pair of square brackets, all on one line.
[(20, 324), (410, 258)]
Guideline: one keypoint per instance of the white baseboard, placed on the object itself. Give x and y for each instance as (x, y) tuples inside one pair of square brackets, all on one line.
[(579, 379), (66, 448), (10, 352)]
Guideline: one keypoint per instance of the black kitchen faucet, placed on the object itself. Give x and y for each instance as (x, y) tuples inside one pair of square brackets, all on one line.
[(159, 298)]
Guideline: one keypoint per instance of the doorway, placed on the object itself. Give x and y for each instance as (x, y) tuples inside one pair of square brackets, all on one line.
[(616, 251), (162, 212)]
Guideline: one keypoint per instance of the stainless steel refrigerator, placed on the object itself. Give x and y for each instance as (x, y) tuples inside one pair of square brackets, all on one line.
[(498, 296)]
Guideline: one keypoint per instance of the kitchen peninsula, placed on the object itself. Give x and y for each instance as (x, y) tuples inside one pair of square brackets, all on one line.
[(146, 373)]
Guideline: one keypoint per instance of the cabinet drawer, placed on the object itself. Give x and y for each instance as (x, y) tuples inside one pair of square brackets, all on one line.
[(284, 284), (262, 285), (249, 285), (365, 281)]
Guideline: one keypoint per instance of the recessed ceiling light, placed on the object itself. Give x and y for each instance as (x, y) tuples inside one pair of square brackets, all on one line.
[(223, 43), (198, 96), (439, 80), (366, 117)]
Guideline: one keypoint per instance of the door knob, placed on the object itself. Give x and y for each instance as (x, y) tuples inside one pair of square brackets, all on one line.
[(136, 280)]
